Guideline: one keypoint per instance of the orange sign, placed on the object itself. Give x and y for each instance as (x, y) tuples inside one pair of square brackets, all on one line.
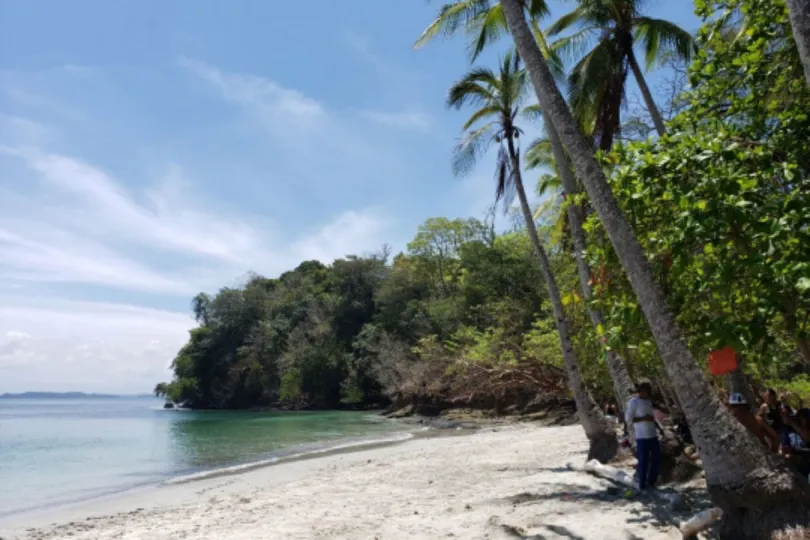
[(722, 361)]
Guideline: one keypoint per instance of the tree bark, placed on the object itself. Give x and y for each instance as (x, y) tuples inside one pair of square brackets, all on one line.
[(736, 383), (800, 22), (750, 485), (652, 108), (602, 438), (622, 382)]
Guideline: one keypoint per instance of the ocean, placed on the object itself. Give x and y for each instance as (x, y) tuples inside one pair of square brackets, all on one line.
[(55, 452)]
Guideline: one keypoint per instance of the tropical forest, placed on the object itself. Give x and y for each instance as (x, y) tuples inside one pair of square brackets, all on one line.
[(647, 231)]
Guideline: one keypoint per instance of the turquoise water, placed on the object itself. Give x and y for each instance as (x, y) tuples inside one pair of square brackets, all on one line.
[(55, 452)]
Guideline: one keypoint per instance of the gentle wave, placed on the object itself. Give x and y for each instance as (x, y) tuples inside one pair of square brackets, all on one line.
[(235, 469)]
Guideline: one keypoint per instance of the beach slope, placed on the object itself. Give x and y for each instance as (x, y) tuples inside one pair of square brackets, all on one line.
[(506, 483)]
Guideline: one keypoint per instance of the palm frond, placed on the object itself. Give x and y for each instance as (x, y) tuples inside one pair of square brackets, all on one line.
[(548, 189), (549, 184), (553, 60), (572, 18), (574, 46), (514, 83), (532, 113), (504, 179), (538, 9), (451, 17), (659, 36), (470, 149), (543, 209), (596, 88), (486, 28), (480, 114), (475, 88), (539, 154)]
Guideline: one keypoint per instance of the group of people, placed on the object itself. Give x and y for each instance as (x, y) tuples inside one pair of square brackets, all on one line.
[(781, 428), (778, 426)]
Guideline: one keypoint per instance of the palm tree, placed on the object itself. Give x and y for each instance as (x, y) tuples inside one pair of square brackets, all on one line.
[(620, 376), (498, 98), (485, 22), (800, 22), (755, 489), (597, 81)]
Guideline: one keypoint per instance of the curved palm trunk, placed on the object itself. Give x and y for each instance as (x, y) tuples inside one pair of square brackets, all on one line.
[(655, 114), (602, 438), (623, 385), (800, 22), (756, 490), (622, 382)]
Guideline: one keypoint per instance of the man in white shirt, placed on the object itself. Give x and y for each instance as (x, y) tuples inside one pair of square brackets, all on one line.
[(639, 415)]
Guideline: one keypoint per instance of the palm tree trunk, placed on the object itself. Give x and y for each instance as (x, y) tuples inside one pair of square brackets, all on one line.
[(800, 22), (753, 487), (622, 382), (602, 438), (655, 114)]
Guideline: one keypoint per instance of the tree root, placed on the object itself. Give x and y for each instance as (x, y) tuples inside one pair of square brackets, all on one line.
[(603, 447), (771, 505)]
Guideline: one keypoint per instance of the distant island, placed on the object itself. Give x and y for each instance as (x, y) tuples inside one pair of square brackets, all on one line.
[(69, 395)]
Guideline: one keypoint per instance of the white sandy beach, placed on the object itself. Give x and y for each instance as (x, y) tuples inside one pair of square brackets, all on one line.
[(504, 483)]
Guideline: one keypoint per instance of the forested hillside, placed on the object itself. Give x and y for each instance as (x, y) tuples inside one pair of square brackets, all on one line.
[(459, 309)]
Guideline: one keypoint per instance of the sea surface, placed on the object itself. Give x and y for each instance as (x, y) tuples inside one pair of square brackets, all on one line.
[(55, 452)]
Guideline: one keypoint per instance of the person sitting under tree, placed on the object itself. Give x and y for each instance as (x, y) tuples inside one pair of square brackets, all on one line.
[(639, 414), (771, 411), (742, 412), (797, 451)]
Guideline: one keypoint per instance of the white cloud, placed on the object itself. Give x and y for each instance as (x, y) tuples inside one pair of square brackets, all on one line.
[(54, 345), (401, 120), (165, 223), (83, 226), (273, 102), (47, 254), (342, 236)]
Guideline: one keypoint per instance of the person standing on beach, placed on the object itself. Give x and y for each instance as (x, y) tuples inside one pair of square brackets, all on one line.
[(639, 414)]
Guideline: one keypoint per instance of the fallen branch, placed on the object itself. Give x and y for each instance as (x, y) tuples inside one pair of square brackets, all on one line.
[(623, 478), (700, 522)]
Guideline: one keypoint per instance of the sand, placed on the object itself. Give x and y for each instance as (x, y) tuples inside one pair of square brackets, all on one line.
[(510, 482)]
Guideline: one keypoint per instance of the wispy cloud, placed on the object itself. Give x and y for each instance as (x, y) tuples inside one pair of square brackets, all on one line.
[(278, 106), (41, 253), (162, 223), (83, 226), (343, 235), (361, 46), (24, 129), (414, 121)]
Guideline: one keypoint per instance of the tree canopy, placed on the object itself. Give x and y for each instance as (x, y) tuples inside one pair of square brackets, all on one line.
[(430, 325)]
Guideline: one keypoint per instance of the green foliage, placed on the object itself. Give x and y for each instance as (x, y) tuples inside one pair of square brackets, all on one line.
[(601, 45), (362, 331), (722, 204)]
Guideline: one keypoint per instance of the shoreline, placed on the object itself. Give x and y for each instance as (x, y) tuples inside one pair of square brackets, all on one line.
[(480, 485), (287, 455)]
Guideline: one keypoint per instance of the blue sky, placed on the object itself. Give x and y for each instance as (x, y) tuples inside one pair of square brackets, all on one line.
[(150, 150)]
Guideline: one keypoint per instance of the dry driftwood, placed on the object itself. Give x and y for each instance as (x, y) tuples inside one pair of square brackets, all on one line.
[(700, 522)]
